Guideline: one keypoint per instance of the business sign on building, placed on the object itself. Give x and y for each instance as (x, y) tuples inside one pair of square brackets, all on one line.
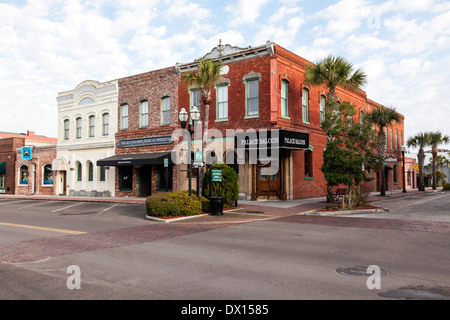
[(26, 153), (149, 141), (266, 139)]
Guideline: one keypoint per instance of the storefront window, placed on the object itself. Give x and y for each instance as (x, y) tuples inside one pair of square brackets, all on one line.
[(126, 178), (23, 175), (48, 175)]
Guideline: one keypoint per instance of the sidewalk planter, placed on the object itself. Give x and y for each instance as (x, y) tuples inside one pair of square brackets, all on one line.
[(216, 204)]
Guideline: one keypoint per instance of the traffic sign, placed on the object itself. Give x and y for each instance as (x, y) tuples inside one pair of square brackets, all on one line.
[(198, 156), (416, 167)]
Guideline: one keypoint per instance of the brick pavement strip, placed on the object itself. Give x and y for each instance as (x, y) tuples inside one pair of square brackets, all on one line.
[(378, 223), (38, 249)]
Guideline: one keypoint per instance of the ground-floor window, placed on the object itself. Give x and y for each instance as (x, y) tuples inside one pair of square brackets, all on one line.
[(163, 183), (23, 174), (48, 175), (308, 164), (126, 178)]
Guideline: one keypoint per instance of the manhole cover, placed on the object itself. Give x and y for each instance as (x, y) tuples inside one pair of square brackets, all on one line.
[(357, 271)]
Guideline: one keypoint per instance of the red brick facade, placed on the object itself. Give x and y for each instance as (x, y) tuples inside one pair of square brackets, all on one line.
[(152, 87), (40, 176), (8, 155), (271, 69)]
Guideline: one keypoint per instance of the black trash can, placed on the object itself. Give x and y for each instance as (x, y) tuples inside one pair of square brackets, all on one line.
[(216, 204)]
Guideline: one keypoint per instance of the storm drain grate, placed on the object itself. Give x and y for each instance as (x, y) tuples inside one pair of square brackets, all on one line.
[(357, 271)]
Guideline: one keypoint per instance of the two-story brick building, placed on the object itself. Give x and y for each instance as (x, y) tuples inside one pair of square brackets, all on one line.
[(147, 117), (263, 93)]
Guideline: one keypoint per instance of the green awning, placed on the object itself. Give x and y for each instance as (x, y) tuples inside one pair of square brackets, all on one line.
[(2, 167)]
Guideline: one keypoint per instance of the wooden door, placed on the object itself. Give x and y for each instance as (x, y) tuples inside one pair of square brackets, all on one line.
[(267, 186)]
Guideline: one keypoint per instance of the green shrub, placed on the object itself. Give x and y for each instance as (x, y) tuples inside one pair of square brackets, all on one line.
[(206, 207), (446, 186), (188, 206), (161, 205), (228, 188)]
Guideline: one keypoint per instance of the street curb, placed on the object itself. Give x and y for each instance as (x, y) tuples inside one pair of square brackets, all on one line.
[(173, 219), (346, 212)]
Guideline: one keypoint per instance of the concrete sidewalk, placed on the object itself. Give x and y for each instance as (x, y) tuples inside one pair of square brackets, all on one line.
[(289, 206)]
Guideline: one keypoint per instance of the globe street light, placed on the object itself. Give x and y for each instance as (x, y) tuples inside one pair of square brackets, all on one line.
[(183, 116), (403, 156)]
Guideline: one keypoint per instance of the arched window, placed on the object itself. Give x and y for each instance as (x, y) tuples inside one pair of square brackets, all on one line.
[(91, 126), (79, 127), (79, 171), (105, 124), (23, 174), (90, 172), (66, 129), (47, 178)]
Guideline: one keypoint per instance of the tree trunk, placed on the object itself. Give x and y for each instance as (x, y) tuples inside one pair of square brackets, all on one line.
[(204, 144), (434, 153), (421, 159), (381, 148)]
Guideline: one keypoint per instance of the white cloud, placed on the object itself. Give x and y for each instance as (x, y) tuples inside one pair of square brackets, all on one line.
[(244, 11)]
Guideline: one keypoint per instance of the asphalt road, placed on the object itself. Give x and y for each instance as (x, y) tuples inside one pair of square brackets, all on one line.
[(122, 255)]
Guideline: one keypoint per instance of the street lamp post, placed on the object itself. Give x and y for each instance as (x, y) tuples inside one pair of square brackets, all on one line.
[(183, 116), (403, 156)]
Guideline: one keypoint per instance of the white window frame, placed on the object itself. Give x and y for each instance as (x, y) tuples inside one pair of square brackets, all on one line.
[(222, 102), (165, 111), (305, 105), (143, 114), (124, 117), (284, 99)]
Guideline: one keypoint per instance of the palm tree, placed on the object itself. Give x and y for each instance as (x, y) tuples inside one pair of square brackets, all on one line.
[(420, 141), (207, 74), (434, 139), (382, 117), (333, 72)]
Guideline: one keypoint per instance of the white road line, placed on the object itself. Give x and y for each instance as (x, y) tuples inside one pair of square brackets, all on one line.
[(31, 205), (109, 208), (13, 201), (76, 204)]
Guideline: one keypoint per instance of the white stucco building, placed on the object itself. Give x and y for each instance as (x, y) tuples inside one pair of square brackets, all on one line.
[(87, 123)]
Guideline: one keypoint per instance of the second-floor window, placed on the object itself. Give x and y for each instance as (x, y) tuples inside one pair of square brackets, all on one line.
[(124, 117), (165, 111), (305, 105), (79, 127), (144, 114), (66, 129), (92, 126), (222, 102), (105, 124), (284, 99), (252, 96), (322, 109)]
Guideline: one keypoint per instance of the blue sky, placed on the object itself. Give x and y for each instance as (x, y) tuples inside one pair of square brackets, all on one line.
[(49, 46)]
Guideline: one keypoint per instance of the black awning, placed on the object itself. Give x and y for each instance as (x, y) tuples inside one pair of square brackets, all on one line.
[(135, 159), (275, 138)]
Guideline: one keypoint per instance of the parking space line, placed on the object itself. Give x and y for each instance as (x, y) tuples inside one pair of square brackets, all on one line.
[(109, 208), (76, 204), (31, 205), (13, 201), (40, 228)]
